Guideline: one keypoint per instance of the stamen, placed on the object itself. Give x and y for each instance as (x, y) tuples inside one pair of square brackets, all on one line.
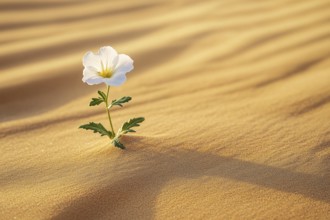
[(106, 73)]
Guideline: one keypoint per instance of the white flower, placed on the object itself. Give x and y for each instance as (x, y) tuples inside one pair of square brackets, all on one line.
[(106, 66)]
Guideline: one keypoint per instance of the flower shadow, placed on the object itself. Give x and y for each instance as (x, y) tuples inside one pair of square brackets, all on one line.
[(136, 195)]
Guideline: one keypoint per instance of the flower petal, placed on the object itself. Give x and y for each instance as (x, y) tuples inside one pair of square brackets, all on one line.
[(116, 80), (108, 56), (124, 64), (91, 59), (91, 76)]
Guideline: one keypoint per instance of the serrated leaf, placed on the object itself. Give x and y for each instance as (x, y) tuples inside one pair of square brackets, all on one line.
[(96, 101), (97, 128), (103, 95), (117, 143), (120, 101), (134, 122)]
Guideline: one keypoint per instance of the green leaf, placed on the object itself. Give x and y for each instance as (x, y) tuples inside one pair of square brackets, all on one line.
[(97, 128), (120, 101), (127, 127), (103, 95), (134, 122), (96, 101), (99, 100), (117, 143)]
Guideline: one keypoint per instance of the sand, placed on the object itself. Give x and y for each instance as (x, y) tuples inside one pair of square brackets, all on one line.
[(235, 94)]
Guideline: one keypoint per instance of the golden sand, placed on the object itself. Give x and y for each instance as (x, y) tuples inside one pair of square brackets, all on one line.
[(236, 99)]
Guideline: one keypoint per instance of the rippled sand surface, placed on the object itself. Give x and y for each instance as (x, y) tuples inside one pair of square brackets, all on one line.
[(235, 94)]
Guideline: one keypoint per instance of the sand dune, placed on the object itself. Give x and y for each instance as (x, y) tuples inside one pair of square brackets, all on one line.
[(235, 95)]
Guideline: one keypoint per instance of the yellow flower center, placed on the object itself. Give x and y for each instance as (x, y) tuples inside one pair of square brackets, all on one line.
[(106, 73)]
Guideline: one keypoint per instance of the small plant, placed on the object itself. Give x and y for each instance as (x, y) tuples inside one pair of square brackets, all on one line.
[(109, 67)]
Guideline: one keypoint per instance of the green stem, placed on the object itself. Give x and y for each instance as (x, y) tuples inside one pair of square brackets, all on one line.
[(108, 111)]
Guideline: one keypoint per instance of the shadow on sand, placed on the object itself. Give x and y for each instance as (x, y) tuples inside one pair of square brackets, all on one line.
[(147, 180)]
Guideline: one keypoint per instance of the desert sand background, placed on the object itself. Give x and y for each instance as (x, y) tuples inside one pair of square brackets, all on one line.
[(235, 94)]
